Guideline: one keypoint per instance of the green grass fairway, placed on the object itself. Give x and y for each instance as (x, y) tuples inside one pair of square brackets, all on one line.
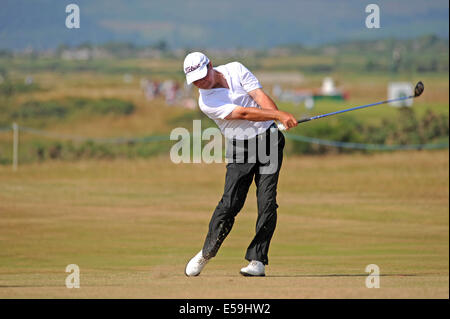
[(131, 226)]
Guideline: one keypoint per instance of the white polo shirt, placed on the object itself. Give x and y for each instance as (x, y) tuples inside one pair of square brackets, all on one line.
[(219, 103)]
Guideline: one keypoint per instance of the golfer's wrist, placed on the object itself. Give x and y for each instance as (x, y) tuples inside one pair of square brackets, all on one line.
[(278, 115)]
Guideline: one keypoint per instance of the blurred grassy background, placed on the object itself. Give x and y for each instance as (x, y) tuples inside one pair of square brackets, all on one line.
[(131, 219), (89, 98)]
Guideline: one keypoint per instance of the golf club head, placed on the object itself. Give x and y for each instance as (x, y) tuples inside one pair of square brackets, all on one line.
[(418, 89)]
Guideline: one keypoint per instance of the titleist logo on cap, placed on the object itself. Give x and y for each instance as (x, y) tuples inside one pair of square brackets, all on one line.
[(192, 68)]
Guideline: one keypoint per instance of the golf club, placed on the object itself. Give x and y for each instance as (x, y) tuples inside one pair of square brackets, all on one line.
[(418, 90)]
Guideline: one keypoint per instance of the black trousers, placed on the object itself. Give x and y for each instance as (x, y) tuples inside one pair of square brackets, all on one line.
[(238, 179)]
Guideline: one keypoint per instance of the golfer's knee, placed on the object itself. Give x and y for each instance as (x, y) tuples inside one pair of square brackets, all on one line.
[(230, 207), (267, 205)]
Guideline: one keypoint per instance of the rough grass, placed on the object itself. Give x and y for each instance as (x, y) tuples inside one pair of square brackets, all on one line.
[(132, 225)]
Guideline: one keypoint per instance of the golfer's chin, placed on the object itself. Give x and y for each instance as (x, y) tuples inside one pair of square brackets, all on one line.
[(204, 85)]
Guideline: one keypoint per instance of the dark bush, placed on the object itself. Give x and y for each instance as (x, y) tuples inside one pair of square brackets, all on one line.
[(405, 129), (34, 109), (63, 108), (8, 88)]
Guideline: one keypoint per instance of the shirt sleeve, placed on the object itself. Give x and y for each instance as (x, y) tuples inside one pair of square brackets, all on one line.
[(248, 81), (218, 107)]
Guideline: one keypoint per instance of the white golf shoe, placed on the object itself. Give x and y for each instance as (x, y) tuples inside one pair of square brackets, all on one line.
[(254, 268), (195, 265)]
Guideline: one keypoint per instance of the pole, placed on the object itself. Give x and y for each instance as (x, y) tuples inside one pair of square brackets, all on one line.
[(15, 145)]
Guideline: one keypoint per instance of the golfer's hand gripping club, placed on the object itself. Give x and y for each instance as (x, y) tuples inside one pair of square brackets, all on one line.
[(281, 127), (286, 121)]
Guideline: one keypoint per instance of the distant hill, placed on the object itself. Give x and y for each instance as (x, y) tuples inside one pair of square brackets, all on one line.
[(40, 24)]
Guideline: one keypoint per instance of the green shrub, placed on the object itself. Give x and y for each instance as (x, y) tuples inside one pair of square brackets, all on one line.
[(9, 88), (405, 129), (59, 109), (37, 109)]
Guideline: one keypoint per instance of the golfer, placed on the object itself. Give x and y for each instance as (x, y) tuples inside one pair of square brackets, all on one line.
[(233, 97)]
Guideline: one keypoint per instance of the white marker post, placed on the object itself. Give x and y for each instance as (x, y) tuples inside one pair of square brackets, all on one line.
[(15, 145)]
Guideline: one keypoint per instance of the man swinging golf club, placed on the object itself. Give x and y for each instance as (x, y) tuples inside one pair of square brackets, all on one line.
[(233, 97)]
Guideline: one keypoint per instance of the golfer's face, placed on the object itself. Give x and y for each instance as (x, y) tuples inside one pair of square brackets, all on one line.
[(206, 82)]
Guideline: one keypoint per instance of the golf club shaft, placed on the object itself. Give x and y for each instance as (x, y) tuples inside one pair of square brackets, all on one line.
[(359, 107), (282, 128)]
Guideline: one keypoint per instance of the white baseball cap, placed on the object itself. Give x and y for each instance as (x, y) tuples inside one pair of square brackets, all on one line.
[(195, 66)]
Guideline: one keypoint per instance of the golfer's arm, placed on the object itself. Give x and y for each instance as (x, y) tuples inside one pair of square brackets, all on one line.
[(263, 99), (253, 114), (268, 110)]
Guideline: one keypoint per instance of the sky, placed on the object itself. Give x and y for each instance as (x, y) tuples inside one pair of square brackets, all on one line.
[(41, 24)]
